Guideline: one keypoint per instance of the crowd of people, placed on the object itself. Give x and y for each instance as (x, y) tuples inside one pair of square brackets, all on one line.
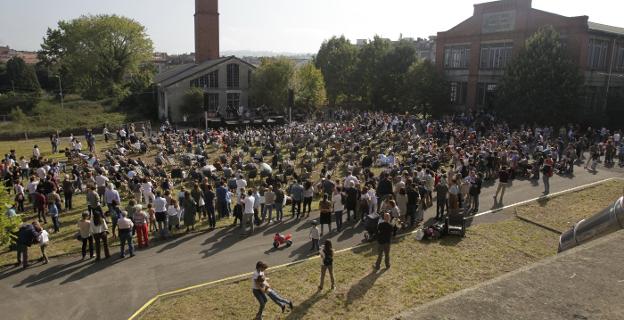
[(153, 184)]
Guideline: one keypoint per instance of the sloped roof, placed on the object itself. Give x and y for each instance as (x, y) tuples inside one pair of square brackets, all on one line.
[(170, 72), (189, 70), (593, 26)]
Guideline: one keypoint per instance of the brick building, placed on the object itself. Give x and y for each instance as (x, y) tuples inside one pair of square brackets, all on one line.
[(474, 53)]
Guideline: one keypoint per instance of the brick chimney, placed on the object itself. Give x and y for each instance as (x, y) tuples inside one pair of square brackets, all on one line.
[(206, 30)]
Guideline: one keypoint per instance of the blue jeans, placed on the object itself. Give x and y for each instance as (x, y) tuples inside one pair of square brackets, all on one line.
[(277, 298), (279, 211), (262, 300), (267, 208), (125, 235)]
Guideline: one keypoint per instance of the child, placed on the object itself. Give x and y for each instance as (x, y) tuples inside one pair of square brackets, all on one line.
[(314, 236), (152, 218), (43, 244), (54, 214)]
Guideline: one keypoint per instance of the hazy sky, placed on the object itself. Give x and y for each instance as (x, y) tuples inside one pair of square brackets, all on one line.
[(273, 25)]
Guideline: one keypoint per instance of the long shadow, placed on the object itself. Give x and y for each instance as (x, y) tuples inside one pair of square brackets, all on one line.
[(280, 227), (180, 240), (10, 271), (51, 274), (222, 243), (350, 231), (358, 290), (92, 269), (301, 309), (303, 251)]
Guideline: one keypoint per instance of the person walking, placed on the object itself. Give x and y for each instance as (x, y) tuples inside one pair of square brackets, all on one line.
[(248, 212), (384, 238), (125, 226), (99, 230), (327, 264), (44, 240), (84, 231)]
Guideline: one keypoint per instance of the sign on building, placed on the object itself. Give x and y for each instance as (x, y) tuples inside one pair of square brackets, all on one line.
[(499, 22)]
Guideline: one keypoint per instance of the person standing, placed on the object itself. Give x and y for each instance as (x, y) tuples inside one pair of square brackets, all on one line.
[(327, 264), (99, 230), (93, 200), (209, 199), (26, 236), (248, 212), (84, 229), (44, 239), (160, 207), (338, 207), (279, 203), (190, 208), (141, 223), (296, 193), (269, 203), (351, 200), (68, 191), (384, 238), (308, 194), (503, 183), (54, 214), (314, 236), (125, 226), (325, 206), (475, 192), (547, 172)]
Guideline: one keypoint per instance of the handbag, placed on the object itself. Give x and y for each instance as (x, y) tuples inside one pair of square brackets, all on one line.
[(78, 236)]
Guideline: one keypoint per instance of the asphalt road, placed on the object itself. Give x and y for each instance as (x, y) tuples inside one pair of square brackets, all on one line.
[(68, 288)]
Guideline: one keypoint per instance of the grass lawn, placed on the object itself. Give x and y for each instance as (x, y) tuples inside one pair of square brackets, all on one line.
[(557, 213), (24, 147), (421, 271)]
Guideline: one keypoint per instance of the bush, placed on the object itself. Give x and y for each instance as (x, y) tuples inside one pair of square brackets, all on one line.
[(8, 226)]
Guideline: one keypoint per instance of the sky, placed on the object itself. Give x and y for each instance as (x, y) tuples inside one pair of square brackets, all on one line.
[(293, 26)]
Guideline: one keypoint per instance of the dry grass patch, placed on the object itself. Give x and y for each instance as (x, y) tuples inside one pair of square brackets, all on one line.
[(562, 212)]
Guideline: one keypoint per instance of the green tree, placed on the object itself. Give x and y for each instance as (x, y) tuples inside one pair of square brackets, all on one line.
[(97, 55), (391, 92), (337, 59), (309, 88), (8, 226), (368, 69), (193, 102), (21, 76), (427, 89), (541, 84), (270, 83)]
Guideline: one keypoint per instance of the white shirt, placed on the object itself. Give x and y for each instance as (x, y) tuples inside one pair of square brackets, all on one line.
[(44, 237), (337, 202), (101, 180), (257, 274), (160, 204), (36, 153), (616, 137), (110, 195), (23, 164), (32, 186), (314, 233), (240, 184), (172, 211), (349, 179), (249, 204), (41, 172)]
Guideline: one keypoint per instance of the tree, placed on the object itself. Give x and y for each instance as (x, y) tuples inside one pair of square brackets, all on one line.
[(367, 71), (96, 55), (8, 226), (270, 83), (541, 84), (391, 93), (309, 88), (21, 76), (427, 89), (193, 102), (337, 59)]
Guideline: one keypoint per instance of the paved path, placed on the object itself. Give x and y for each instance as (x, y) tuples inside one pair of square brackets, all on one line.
[(68, 288)]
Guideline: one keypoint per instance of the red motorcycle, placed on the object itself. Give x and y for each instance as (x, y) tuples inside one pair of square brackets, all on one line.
[(279, 240)]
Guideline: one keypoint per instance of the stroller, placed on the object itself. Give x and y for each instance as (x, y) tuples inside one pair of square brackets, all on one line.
[(370, 225)]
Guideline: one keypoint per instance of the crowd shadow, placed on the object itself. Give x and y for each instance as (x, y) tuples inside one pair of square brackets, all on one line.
[(180, 240), (358, 290)]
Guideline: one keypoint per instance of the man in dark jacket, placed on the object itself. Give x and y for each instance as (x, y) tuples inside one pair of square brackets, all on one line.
[(384, 237), (26, 236), (384, 187), (352, 199)]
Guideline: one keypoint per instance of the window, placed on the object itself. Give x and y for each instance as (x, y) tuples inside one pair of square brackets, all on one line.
[(458, 93), (456, 57), (210, 80), (619, 60), (233, 100), (495, 56), (211, 101), (233, 76), (597, 54), (486, 92)]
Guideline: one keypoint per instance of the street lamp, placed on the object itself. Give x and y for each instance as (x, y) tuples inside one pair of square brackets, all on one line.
[(60, 89)]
